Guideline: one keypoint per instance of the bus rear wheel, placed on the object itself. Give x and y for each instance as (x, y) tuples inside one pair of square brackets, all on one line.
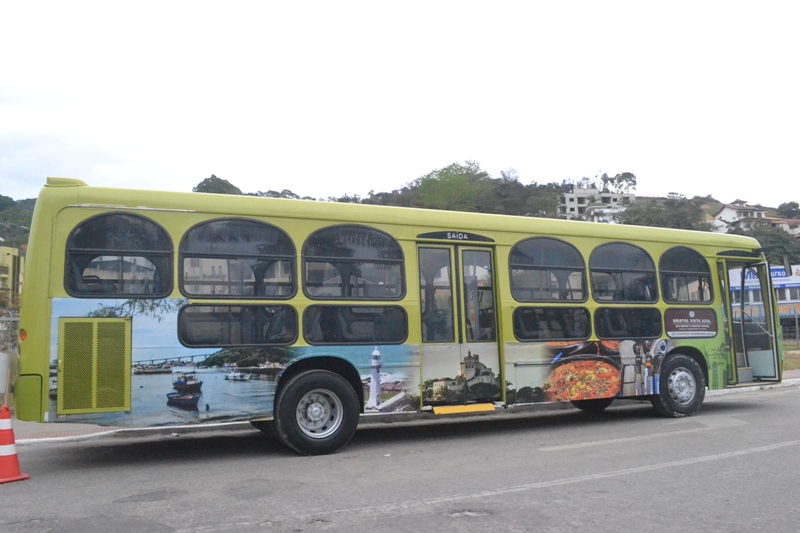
[(316, 412), (681, 387), (592, 407)]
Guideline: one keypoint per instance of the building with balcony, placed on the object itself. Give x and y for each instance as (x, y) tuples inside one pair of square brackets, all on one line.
[(581, 203), (12, 267)]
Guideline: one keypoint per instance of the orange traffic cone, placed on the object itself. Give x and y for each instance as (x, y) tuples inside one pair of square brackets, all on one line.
[(9, 464)]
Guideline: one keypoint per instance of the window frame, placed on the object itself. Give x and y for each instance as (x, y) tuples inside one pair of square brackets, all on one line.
[(547, 269), (518, 326), (623, 275), (342, 324), (628, 313), (217, 310), (290, 257), (161, 259), (665, 275), (355, 262)]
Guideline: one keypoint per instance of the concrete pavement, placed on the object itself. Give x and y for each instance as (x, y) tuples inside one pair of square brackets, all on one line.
[(32, 432)]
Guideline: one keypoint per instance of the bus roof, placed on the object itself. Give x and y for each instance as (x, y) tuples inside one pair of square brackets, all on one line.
[(63, 192)]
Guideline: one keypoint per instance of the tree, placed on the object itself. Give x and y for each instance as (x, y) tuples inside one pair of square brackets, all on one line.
[(505, 196), (775, 242), (216, 185), (624, 182), (455, 187), (15, 222), (6, 202), (789, 210), (542, 200), (670, 213)]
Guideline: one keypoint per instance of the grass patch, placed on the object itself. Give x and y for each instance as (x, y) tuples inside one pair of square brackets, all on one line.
[(791, 358)]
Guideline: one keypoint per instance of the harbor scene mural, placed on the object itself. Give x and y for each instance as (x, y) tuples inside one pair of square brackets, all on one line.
[(172, 384)]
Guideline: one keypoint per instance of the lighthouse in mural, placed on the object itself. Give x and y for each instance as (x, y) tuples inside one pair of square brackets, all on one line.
[(375, 380)]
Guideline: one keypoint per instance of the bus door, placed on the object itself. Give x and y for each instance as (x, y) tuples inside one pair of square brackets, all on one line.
[(460, 354), (752, 328)]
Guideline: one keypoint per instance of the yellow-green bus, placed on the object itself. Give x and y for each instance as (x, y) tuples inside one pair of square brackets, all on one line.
[(144, 308)]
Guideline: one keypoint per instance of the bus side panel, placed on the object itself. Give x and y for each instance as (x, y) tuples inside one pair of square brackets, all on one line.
[(28, 398), (155, 362)]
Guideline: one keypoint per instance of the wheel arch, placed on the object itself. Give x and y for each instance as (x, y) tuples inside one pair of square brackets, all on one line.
[(331, 363), (695, 354)]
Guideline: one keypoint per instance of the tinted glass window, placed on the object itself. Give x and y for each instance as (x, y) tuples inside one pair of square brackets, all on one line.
[(685, 276), (237, 258), (551, 323), (237, 325), (627, 323), (436, 295), (336, 324), (545, 269), (119, 254), (353, 262), (622, 273)]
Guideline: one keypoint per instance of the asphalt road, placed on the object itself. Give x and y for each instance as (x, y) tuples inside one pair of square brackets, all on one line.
[(733, 467)]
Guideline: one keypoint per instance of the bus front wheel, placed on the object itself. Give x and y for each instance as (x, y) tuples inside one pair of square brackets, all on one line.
[(681, 387), (316, 412)]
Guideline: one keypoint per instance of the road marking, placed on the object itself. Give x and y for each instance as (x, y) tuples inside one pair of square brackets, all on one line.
[(415, 505), (716, 422)]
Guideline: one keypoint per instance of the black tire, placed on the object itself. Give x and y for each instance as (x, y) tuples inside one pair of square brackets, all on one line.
[(681, 388), (316, 412), (592, 407)]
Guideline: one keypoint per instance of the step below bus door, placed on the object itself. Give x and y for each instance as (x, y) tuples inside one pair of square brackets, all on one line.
[(460, 353), (753, 324)]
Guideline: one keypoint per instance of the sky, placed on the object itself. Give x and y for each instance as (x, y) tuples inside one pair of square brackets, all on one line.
[(347, 97)]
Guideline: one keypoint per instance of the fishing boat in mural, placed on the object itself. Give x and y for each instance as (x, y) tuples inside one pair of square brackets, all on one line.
[(187, 382), (180, 399)]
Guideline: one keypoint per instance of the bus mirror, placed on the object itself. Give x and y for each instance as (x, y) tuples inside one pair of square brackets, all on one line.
[(787, 266)]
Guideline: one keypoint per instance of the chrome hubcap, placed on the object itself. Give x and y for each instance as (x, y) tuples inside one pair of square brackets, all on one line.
[(682, 386), (319, 413)]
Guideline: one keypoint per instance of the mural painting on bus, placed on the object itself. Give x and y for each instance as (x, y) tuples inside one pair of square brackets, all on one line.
[(460, 379), (717, 355), (564, 371), (214, 390)]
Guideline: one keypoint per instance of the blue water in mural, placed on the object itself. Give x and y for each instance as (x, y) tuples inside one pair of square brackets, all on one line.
[(220, 400)]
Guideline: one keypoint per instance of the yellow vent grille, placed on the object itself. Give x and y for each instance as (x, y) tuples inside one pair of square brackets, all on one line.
[(94, 356)]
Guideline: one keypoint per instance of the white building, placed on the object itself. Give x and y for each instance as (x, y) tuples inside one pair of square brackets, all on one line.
[(577, 203), (738, 214)]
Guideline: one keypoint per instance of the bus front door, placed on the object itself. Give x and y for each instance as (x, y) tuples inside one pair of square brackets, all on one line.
[(751, 308), (460, 354)]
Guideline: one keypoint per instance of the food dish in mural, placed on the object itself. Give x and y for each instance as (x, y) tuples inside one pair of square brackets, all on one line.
[(582, 380)]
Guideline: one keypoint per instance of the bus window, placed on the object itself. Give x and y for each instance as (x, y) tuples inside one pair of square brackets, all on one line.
[(627, 322), (236, 325), (545, 269), (685, 276), (622, 273), (118, 254), (236, 258), (436, 295), (353, 263), (338, 324), (478, 295), (551, 323)]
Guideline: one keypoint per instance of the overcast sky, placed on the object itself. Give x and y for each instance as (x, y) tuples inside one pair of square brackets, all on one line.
[(328, 98)]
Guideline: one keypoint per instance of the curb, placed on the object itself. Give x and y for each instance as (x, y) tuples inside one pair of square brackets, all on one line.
[(63, 432)]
